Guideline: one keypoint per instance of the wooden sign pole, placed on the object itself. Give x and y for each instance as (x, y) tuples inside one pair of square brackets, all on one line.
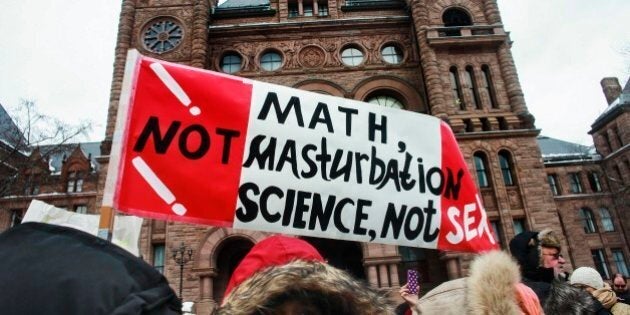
[(106, 223)]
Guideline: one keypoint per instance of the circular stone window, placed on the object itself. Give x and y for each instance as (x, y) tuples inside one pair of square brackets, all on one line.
[(231, 63), (162, 36), (392, 54), (271, 61), (352, 56)]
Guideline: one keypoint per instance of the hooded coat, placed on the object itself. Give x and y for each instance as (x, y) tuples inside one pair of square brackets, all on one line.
[(526, 249), (282, 269), (49, 269), (493, 288)]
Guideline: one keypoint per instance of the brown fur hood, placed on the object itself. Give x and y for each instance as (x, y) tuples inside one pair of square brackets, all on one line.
[(265, 290), (492, 288)]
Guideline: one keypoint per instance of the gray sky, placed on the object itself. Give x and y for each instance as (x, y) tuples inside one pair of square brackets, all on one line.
[(60, 54)]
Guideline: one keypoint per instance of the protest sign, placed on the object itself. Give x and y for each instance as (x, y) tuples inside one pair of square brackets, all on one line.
[(126, 229), (203, 147)]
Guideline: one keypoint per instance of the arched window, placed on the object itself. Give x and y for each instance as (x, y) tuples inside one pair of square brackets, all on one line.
[(471, 86), (456, 17), (385, 100), (481, 167), (507, 167), (588, 220), (231, 63), (271, 61), (487, 86), (456, 89), (607, 221)]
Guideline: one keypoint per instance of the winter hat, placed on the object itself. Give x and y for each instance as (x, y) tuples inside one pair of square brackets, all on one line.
[(548, 238), (281, 269), (276, 250), (587, 276), (526, 247), (315, 285)]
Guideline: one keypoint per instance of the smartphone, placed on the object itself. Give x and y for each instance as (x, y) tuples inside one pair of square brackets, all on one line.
[(412, 281)]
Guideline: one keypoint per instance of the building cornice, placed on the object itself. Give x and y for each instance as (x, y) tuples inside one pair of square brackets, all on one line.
[(498, 134)]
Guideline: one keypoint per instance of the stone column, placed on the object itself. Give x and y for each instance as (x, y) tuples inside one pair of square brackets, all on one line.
[(491, 10), (300, 8), (393, 275), (513, 86), (372, 276), (451, 260), (200, 34), (428, 60), (383, 275), (315, 7), (206, 303)]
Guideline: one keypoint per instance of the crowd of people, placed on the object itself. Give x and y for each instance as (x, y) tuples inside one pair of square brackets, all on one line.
[(285, 275), (539, 286)]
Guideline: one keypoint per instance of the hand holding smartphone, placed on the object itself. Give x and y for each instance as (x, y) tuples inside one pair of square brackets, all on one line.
[(412, 281)]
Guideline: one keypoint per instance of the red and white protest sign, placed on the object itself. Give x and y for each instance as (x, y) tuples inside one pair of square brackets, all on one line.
[(203, 147)]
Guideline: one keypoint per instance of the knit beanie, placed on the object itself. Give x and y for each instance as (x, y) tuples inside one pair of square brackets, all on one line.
[(587, 276)]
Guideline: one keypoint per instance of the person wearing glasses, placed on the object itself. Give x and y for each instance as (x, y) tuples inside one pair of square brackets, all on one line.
[(540, 260), (620, 286), (589, 280)]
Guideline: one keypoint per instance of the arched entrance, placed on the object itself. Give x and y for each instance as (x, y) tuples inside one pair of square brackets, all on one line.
[(344, 255), (230, 253)]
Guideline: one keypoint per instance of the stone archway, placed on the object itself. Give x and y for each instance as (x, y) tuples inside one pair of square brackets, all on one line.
[(228, 255), (321, 86)]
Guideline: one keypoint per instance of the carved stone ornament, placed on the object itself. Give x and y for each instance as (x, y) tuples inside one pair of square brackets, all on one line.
[(312, 56)]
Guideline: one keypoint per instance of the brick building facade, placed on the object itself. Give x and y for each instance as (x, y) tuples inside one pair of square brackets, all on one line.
[(447, 58), (65, 176)]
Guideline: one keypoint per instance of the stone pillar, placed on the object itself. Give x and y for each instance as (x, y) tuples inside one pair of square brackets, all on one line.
[(393, 275), (428, 60), (383, 275), (491, 10), (300, 8), (372, 276), (513, 86), (200, 34), (206, 303), (451, 260), (315, 7)]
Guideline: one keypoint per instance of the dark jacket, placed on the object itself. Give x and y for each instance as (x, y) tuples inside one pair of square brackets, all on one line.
[(49, 269), (525, 247)]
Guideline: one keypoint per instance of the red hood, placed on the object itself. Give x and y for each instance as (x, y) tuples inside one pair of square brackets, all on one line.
[(272, 251)]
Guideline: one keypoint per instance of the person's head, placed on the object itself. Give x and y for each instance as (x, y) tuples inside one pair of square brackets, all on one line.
[(620, 283), (285, 275), (586, 278), (538, 254)]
